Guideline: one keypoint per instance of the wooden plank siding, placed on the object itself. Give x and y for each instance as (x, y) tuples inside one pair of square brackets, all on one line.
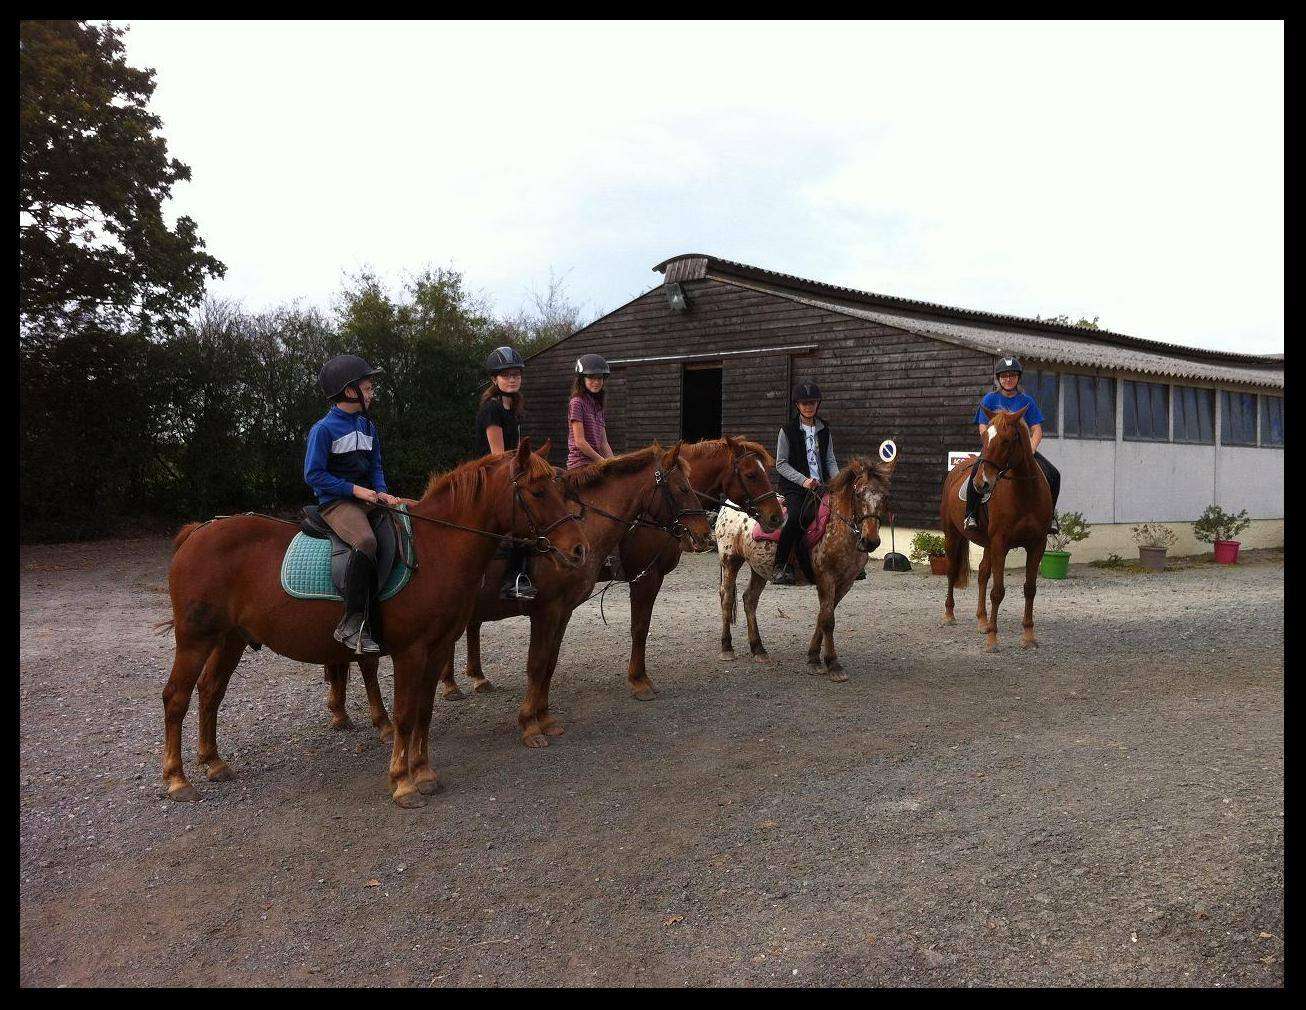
[(878, 381)]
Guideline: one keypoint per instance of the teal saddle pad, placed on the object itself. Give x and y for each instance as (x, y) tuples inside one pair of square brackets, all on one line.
[(306, 567)]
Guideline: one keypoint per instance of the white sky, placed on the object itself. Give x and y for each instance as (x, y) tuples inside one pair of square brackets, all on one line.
[(1129, 171)]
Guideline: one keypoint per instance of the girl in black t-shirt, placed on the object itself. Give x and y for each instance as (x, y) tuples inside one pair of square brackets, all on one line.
[(498, 428)]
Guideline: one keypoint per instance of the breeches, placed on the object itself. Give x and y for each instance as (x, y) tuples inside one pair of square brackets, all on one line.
[(350, 521)]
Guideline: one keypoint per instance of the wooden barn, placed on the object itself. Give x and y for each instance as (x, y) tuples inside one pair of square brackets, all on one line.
[(1141, 430)]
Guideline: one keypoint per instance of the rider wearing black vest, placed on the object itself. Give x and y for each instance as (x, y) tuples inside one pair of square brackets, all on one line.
[(804, 461)]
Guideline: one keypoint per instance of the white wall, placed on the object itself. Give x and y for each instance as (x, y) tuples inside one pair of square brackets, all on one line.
[(1088, 476), (1160, 482), (1250, 479)]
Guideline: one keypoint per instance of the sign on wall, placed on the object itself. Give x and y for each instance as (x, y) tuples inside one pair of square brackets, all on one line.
[(954, 456)]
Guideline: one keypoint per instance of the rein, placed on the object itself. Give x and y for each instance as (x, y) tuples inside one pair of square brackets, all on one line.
[(673, 527), (749, 505)]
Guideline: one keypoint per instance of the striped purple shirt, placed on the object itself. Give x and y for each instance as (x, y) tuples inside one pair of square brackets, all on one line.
[(587, 411)]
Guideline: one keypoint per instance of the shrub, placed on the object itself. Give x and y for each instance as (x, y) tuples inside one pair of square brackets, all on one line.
[(1073, 530), (1217, 524), (1155, 535), (927, 545)]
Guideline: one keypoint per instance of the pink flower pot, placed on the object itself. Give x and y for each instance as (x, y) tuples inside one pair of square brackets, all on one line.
[(1226, 552)]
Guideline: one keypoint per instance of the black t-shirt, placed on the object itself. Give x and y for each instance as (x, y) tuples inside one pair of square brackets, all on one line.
[(493, 412)]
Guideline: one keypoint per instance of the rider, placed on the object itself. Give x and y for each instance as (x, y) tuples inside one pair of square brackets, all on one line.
[(1007, 395), (804, 460), (587, 429), (498, 423), (343, 467)]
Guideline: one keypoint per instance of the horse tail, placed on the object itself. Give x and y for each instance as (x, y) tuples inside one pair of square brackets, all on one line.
[(958, 550), (162, 626), (183, 535)]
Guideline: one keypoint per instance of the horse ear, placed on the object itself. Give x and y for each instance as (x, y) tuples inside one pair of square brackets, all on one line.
[(522, 461), (1021, 412), (882, 469), (672, 456), (544, 449), (987, 413), (732, 443)]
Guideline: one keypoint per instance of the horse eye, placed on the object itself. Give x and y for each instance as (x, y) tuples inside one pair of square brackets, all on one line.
[(538, 494)]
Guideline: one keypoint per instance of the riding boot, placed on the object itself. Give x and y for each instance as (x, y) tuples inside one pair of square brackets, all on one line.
[(972, 504), (784, 575), (614, 567), (517, 583), (353, 631)]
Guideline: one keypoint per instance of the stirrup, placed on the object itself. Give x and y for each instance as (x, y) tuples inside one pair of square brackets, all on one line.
[(519, 588), (352, 633), (613, 561), (971, 523), (784, 576)]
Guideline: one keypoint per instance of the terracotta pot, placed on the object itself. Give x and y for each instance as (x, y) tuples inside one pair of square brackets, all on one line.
[(1153, 558), (938, 564), (1226, 552)]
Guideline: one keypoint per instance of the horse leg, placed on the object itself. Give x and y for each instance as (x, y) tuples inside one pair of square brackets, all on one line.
[(730, 565), (995, 596), (1033, 555), (336, 676), (410, 672), (985, 570), (643, 594), (212, 688), (187, 665), (751, 596), (830, 597), (548, 724), (424, 776), (376, 707), (449, 689), (474, 672), (954, 545), (543, 625)]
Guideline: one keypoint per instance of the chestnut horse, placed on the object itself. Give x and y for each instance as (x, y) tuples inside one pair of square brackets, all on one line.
[(226, 594), (856, 497), (648, 490), (1019, 513)]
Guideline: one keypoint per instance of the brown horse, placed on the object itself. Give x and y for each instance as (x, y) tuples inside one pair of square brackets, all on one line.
[(226, 594), (1019, 513), (730, 468), (649, 490), (856, 497)]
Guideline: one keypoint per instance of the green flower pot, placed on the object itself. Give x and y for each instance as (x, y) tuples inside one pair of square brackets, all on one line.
[(1054, 564)]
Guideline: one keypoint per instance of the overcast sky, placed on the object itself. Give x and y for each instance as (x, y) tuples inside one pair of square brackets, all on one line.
[(1129, 171)]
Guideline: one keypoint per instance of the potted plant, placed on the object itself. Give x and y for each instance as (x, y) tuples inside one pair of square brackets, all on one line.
[(930, 545), (1056, 559), (1153, 541), (1218, 527)]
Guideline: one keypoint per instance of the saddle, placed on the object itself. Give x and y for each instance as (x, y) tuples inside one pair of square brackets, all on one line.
[(316, 561), (813, 533)]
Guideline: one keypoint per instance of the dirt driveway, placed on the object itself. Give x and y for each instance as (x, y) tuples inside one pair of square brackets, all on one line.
[(1107, 809)]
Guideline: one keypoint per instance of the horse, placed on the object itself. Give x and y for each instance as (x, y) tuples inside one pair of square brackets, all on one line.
[(644, 490), (855, 499), (1019, 513), (226, 594)]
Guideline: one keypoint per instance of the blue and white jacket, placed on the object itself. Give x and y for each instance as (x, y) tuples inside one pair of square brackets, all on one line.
[(344, 449)]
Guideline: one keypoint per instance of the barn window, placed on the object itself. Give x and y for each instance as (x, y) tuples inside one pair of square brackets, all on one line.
[(1237, 418), (1194, 415), (1090, 407), (1147, 411), (1043, 387), (1271, 420)]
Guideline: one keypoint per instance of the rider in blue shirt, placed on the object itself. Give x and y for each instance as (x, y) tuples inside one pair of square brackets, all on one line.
[(1007, 395)]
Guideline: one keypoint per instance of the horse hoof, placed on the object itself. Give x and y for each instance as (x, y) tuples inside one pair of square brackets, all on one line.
[(429, 787), (219, 771), (409, 798), (183, 792), (727, 656), (990, 647), (342, 723), (535, 739), (386, 731), (644, 692), (483, 687), (453, 694), (762, 657), (838, 676), (1029, 643), (947, 621), (553, 729)]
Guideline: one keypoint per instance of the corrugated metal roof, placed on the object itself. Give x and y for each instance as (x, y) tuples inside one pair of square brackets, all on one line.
[(1050, 348), (729, 269)]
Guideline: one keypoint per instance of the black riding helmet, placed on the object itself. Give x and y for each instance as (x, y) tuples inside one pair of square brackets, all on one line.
[(592, 364), (342, 372), (806, 391), (1008, 364), (503, 358)]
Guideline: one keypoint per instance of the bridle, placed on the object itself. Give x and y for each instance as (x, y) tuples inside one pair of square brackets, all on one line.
[(673, 526), (749, 505), (854, 523)]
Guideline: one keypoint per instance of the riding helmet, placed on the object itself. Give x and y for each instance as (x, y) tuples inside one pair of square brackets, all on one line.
[(503, 358), (592, 364), (806, 391), (341, 372), (1008, 364)]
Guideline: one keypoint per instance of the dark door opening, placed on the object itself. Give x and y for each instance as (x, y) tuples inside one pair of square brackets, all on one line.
[(700, 402)]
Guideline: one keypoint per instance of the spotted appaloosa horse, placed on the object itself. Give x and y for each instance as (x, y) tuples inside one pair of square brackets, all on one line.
[(857, 495), (226, 593), (1019, 513)]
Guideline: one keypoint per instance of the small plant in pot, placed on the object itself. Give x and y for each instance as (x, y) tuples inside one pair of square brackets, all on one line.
[(1153, 540), (933, 546), (1056, 558), (1218, 528)]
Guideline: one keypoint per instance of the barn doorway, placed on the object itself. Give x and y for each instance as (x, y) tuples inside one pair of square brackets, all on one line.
[(700, 402)]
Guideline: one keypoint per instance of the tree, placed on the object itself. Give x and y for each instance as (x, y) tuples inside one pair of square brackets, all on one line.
[(552, 316), (1083, 322), (93, 175)]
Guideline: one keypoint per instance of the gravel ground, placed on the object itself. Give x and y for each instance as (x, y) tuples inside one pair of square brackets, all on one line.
[(1105, 810)]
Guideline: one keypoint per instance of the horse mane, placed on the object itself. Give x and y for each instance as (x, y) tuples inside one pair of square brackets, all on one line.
[(844, 478), (615, 466), (748, 445), (465, 483)]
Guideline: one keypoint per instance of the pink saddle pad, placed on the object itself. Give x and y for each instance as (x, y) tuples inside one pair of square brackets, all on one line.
[(814, 532)]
